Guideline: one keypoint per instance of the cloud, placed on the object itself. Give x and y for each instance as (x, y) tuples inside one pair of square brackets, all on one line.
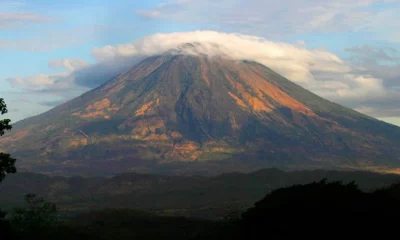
[(380, 112), (52, 103), (396, 37), (369, 53), (58, 84), (172, 6), (23, 104), (11, 5), (32, 82), (43, 42), (381, 62), (276, 17), (366, 87), (315, 69), (40, 93), (49, 40), (392, 120), (14, 19), (293, 61), (110, 52), (13, 14), (68, 64), (149, 13), (95, 75)]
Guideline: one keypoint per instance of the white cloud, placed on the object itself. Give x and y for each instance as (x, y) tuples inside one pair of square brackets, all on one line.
[(68, 64), (109, 52), (172, 6), (48, 82), (316, 69), (383, 112), (293, 61), (149, 13), (33, 82), (13, 19), (365, 87), (392, 120), (14, 14), (275, 17), (381, 62), (48, 40)]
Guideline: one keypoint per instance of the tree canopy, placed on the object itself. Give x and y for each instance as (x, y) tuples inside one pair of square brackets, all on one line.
[(7, 164), (38, 215)]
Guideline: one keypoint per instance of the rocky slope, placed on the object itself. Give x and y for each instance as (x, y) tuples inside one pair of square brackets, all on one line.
[(194, 113)]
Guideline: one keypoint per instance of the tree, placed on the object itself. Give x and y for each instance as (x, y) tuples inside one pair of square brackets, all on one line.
[(37, 217), (7, 164), (234, 211)]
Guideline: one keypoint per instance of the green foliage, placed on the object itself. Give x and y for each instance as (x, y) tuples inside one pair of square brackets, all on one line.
[(310, 211), (2, 215), (233, 212), (121, 224), (200, 197), (37, 216), (5, 123), (7, 164)]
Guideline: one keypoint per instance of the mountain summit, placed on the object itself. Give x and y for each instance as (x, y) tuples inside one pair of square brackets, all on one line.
[(186, 111)]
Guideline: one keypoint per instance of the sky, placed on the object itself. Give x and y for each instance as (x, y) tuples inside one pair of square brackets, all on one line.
[(347, 51)]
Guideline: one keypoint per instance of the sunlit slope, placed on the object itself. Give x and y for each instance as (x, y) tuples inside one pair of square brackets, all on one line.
[(178, 108)]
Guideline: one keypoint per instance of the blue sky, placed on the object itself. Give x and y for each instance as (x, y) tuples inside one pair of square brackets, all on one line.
[(43, 42)]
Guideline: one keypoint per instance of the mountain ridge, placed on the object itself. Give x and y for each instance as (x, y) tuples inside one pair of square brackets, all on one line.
[(176, 108)]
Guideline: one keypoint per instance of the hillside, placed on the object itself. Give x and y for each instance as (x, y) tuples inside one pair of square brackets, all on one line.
[(194, 114), (204, 197), (316, 210)]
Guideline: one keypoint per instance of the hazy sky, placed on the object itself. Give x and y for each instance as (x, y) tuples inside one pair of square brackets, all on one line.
[(344, 50)]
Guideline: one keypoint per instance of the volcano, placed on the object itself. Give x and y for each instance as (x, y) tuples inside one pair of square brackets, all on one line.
[(182, 113)]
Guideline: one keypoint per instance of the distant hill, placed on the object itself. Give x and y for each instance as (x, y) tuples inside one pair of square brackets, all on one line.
[(183, 113), (205, 197), (317, 210)]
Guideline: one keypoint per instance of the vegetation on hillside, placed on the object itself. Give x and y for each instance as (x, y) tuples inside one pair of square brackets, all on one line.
[(319, 210), (200, 197), (322, 210), (7, 164)]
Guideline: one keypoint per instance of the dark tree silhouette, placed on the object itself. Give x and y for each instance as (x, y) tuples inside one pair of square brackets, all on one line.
[(322, 210), (37, 217), (7, 164)]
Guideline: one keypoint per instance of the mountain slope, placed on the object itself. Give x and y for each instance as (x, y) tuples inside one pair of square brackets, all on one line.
[(185, 195), (193, 109)]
